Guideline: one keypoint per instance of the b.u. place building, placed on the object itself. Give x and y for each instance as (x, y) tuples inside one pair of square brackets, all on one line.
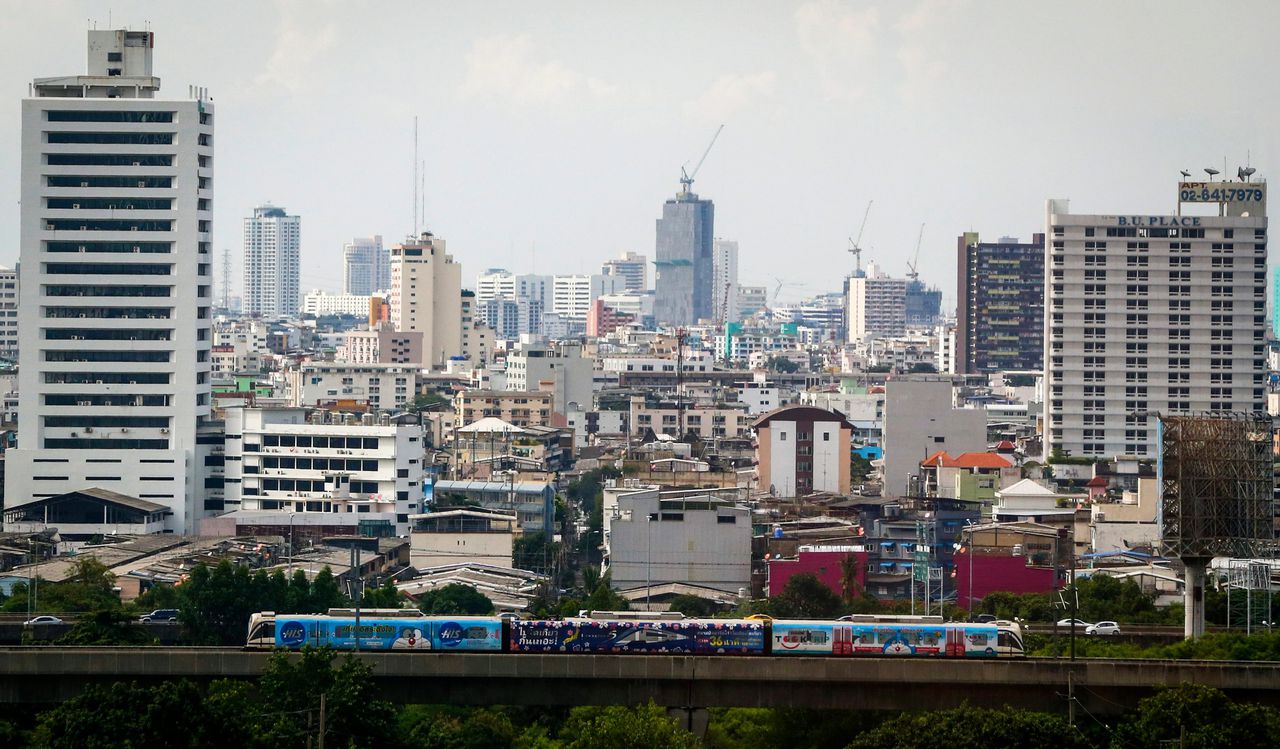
[(1148, 314), (117, 194)]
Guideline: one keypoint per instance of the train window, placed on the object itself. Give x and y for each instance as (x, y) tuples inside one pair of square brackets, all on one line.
[(1007, 640), (264, 631), (977, 639), (931, 638)]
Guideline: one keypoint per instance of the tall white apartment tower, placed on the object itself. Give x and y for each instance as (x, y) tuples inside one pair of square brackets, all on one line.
[(117, 214), (1153, 314), (272, 241), (877, 305), (426, 296), (724, 280), (366, 266)]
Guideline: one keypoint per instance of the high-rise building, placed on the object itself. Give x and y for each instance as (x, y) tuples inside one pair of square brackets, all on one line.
[(117, 221), (683, 275), (724, 280), (877, 305), (495, 283), (571, 296), (1000, 304), (8, 313), (367, 266), (752, 299), (272, 240), (923, 304), (1275, 303), (502, 316), (1150, 314), (631, 268), (426, 296)]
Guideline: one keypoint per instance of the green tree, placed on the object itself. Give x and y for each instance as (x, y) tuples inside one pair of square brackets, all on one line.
[(385, 596), (290, 690), (859, 468), (923, 367), (643, 727), (170, 714), (781, 364), (533, 552), (105, 627), (325, 593), (967, 726), (436, 727), (1192, 716), (805, 597), (455, 599)]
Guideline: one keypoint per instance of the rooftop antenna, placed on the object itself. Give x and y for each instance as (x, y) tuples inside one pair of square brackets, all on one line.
[(686, 178), (226, 278), (1185, 174), (415, 176), (1211, 172)]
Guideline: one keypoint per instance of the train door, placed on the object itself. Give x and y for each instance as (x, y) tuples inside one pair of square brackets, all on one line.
[(842, 640)]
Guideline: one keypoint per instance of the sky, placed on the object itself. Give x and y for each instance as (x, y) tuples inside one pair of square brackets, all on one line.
[(552, 132)]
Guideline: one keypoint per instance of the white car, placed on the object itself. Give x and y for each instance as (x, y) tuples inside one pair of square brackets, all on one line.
[(43, 619), (1103, 628), (1080, 623)]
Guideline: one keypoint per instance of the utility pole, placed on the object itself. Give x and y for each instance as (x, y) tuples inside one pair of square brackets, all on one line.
[(320, 739)]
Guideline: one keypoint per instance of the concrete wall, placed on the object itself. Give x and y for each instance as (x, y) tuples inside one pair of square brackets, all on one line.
[(920, 420)]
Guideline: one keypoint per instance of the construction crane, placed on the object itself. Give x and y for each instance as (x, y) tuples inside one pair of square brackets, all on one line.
[(855, 245), (778, 289), (724, 310), (686, 178), (914, 272)]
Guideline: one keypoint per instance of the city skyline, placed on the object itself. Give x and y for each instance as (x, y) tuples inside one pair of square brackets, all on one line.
[(517, 114)]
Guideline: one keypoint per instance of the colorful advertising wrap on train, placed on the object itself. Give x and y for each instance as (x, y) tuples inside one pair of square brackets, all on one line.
[(591, 636), (390, 634)]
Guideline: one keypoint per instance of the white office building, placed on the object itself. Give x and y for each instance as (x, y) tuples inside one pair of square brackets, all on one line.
[(321, 303), (116, 225), (272, 242), (724, 280), (278, 459), (1153, 314), (366, 266), (572, 295)]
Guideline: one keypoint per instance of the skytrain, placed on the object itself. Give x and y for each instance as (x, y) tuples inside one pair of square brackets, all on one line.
[(629, 632)]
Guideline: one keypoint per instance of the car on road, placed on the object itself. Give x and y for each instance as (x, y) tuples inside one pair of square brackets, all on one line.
[(42, 619), (984, 619), (1103, 628), (1080, 623), (160, 615)]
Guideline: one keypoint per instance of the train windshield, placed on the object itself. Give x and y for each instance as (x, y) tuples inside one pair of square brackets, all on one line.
[(263, 631), (1010, 640)]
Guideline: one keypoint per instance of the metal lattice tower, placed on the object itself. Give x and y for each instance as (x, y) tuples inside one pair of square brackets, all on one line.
[(226, 278)]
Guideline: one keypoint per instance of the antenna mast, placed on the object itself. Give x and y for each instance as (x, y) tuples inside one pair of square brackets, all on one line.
[(226, 278), (415, 177)]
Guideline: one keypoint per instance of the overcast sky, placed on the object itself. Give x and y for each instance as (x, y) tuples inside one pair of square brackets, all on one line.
[(552, 132)]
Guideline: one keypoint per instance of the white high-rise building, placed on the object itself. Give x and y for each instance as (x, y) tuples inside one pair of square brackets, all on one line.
[(495, 283), (366, 266), (877, 305), (117, 215), (272, 241), (724, 280), (1153, 314), (631, 267), (571, 296), (426, 297)]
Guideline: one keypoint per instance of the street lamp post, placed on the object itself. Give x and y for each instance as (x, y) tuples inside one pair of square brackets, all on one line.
[(291, 517)]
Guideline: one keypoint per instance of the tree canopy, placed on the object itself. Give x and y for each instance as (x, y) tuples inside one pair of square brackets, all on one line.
[(455, 599)]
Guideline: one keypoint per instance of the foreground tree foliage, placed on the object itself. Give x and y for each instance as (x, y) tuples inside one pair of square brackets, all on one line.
[(1216, 646), (281, 711), (967, 726), (1197, 717), (645, 727)]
